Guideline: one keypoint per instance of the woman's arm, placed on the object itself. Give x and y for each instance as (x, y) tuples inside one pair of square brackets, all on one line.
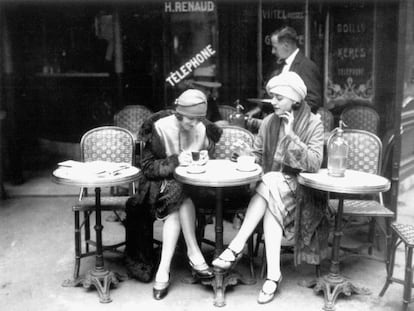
[(305, 156), (155, 164)]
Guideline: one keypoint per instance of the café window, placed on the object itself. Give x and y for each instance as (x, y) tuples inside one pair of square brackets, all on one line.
[(350, 64), (190, 36)]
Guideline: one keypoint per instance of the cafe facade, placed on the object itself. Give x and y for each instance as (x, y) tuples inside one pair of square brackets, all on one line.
[(68, 66)]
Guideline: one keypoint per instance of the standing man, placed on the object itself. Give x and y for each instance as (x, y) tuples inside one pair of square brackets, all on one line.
[(290, 58)]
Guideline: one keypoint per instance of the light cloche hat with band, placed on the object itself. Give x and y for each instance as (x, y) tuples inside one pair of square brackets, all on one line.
[(288, 84), (192, 103)]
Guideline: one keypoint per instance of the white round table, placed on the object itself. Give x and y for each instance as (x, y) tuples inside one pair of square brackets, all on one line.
[(219, 174), (81, 176), (354, 182)]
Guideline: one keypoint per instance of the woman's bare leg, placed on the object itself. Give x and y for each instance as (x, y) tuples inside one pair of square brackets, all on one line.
[(170, 233), (255, 212), (187, 218), (273, 237)]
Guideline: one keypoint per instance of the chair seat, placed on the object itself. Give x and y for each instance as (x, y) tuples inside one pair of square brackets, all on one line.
[(405, 232), (368, 208), (107, 204)]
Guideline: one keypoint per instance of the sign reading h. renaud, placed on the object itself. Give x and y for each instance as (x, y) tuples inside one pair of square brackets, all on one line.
[(182, 72), (188, 6)]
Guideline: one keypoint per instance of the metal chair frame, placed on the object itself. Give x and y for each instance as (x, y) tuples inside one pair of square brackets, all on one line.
[(401, 233), (373, 207)]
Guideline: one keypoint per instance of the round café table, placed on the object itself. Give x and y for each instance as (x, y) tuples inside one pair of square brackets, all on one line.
[(218, 174), (82, 177), (354, 182)]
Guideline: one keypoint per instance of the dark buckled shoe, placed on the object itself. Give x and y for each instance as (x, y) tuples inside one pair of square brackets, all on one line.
[(203, 271), (160, 290)]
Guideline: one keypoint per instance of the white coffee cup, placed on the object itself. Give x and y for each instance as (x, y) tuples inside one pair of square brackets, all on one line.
[(245, 161)]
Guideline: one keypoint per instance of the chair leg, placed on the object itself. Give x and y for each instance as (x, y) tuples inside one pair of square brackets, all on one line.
[(390, 263), (408, 278), (371, 235), (317, 271), (200, 229), (264, 263), (258, 241), (250, 248), (87, 229), (77, 246)]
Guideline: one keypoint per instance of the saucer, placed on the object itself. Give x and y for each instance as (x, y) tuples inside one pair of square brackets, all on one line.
[(196, 170), (246, 168)]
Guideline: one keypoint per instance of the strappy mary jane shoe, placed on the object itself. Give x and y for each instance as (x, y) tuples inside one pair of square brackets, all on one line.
[(265, 297), (160, 289), (224, 264), (203, 271)]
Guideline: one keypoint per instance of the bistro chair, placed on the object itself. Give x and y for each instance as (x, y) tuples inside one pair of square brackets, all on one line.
[(226, 111), (401, 233), (111, 144), (365, 154), (361, 117), (235, 199), (132, 117)]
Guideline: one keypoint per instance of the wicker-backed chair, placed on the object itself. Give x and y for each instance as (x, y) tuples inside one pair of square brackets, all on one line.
[(226, 111), (111, 144), (231, 138), (365, 154), (361, 117), (235, 199), (132, 117)]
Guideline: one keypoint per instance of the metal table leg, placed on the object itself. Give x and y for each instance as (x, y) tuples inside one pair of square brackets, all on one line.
[(334, 283), (222, 279), (99, 277)]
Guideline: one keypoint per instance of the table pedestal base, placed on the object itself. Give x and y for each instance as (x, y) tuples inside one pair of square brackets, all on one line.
[(332, 285), (101, 280), (220, 282)]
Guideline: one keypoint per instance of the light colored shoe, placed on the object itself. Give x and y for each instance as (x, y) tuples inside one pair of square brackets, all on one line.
[(224, 264), (265, 297)]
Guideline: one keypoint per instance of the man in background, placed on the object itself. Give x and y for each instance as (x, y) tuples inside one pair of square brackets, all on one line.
[(290, 58), (204, 79)]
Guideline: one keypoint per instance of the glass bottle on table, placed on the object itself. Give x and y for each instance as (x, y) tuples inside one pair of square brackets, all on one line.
[(337, 152)]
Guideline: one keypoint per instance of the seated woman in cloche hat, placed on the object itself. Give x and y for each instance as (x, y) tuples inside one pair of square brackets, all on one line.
[(289, 141), (170, 137)]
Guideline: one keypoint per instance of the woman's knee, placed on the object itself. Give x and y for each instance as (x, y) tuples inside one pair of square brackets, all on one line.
[(173, 217)]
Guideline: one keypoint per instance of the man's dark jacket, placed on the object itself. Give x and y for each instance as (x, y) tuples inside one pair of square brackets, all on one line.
[(311, 75)]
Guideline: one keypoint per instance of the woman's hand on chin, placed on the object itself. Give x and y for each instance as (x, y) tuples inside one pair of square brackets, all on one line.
[(288, 118)]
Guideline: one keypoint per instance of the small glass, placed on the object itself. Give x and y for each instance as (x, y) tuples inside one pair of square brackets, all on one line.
[(199, 157), (195, 155)]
